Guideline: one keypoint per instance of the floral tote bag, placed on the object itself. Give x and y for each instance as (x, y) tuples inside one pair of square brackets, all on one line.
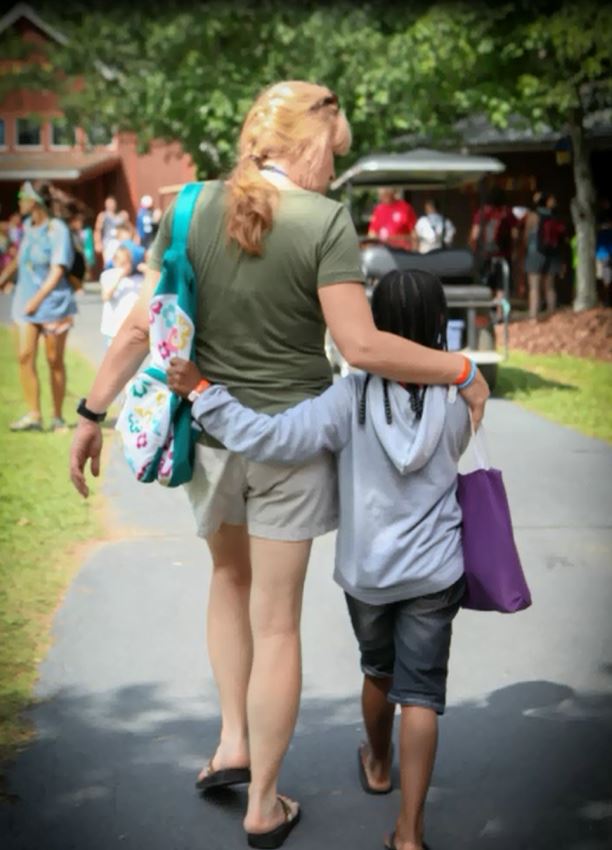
[(154, 423)]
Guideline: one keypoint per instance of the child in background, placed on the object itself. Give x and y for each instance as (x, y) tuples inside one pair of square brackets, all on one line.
[(398, 553), (120, 287)]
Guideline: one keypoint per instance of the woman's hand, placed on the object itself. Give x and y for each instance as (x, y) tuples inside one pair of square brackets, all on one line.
[(86, 445), (476, 396), (183, 376), (31, 306)]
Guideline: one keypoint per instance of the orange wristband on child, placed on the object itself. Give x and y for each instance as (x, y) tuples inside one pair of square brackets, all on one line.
[(198, 389)]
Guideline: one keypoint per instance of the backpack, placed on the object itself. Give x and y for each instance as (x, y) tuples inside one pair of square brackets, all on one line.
[(550, 235), (155, 423), (496, 234)]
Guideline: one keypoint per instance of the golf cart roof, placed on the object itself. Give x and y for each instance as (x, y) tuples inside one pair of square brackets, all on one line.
[(418, 169)]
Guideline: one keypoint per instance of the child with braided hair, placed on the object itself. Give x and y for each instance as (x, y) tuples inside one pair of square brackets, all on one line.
[(398, 551)]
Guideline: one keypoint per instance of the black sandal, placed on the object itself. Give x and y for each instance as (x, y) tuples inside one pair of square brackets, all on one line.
[(363, 776), (223, 778), (276, 837), (393, 847)]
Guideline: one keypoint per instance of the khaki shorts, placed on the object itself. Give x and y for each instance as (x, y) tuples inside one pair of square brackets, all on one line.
[(275, 501)]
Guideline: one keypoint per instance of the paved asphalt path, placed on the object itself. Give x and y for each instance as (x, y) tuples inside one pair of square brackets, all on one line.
[(127, 711)]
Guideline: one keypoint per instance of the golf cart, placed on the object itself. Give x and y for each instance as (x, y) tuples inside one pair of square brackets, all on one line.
[(472, 307)]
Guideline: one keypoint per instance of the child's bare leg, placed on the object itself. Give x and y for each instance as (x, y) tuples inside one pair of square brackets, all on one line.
[(378, 715), (418, 742)]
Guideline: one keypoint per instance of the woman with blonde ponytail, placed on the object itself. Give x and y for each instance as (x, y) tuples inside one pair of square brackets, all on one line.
[(276, 261)]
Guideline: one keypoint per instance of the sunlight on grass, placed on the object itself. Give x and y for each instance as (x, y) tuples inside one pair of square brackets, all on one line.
[(572, 391), (41, 520)]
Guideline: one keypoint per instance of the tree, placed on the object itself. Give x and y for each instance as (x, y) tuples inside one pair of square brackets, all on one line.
[(552, 65)]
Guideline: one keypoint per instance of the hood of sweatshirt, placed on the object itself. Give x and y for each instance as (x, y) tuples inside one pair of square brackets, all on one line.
[(408, 441)]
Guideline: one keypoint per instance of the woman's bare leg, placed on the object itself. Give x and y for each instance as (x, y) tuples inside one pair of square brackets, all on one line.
[(534, 294), (418, 742), (229, 640), (279, 569), (28, 350), (55, 347)]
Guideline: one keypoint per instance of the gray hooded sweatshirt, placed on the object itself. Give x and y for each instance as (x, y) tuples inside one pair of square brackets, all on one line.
[(399, 534)]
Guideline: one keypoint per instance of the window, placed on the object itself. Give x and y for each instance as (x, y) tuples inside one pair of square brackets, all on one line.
[(99, 134), (28, 132), (2, 133), (62, 133)]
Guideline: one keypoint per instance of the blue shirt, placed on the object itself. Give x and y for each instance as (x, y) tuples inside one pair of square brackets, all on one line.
[(44, 246)]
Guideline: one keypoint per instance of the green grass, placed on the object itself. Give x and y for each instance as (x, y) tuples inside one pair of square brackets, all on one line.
[(42, 522), (572, 391)]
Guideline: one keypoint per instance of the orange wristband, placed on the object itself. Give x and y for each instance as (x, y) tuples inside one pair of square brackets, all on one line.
[(463, 375)]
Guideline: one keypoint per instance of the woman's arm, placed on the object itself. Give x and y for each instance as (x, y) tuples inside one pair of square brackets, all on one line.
[(349, 318), (56, 273), (7, 272), (121, 362)]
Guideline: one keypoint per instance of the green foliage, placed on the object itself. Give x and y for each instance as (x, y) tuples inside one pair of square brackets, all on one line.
[(190, 71), (41, 519)]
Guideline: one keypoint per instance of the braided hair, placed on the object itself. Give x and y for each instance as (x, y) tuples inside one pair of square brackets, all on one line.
[(410, 304)]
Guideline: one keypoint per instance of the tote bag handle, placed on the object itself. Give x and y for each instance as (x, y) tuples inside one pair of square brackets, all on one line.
[(480, 448)]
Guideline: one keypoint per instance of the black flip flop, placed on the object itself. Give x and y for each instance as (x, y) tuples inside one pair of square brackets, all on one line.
[(276, 837), (223, 778), (363, 778), (393, 847)]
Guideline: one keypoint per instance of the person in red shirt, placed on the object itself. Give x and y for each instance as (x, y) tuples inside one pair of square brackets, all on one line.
[(393, 220)]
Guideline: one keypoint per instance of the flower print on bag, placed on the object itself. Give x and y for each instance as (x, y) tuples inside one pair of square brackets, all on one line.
[(184, 331), (141, 440), (164, 349), (169, 314), (134, 425), (140, 387)]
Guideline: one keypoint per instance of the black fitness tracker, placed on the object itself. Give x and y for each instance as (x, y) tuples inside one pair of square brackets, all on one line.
[(86, 413)]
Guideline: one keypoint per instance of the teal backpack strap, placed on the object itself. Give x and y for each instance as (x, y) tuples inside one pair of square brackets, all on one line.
[(183, 210)]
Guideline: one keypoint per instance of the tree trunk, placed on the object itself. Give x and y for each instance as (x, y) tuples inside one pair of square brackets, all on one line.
[(583, 215)]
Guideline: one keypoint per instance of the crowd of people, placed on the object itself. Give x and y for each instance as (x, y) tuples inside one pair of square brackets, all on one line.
[(48, 248), (534, 242)]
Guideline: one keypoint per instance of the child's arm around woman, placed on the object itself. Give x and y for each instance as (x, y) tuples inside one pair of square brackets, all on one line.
[(315, 425)]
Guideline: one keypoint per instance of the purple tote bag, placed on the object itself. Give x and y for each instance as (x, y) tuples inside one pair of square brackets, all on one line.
[(493, 573)]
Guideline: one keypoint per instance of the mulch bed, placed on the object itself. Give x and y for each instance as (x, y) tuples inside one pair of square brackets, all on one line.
[(584, 334)]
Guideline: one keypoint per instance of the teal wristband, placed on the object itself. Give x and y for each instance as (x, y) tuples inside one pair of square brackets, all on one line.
[(470, 378)]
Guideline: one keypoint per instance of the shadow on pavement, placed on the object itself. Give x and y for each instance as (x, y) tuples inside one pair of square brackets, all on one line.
[(511, 380), (529, 768)]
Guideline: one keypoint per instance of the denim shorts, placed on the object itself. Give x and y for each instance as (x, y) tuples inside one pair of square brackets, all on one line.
[(410, 642)]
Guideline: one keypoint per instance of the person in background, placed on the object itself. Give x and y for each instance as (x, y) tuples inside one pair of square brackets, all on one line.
[(43, 299), (433, 230), (124, 238), (120, 287), (545, 236), (145, 222), (603, 257), (106, 224), (393, 220), (492, 238)]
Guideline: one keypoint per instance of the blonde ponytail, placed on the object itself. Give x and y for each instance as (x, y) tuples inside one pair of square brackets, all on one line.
[(250, 208), (296, 121)]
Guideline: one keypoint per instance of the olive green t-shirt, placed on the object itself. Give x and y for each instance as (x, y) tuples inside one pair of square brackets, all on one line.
[(259, 325)]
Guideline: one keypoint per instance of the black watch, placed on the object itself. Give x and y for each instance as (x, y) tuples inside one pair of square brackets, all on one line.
[(84, 411)]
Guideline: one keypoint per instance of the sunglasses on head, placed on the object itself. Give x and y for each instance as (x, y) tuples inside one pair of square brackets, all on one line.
[(329, 100)]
